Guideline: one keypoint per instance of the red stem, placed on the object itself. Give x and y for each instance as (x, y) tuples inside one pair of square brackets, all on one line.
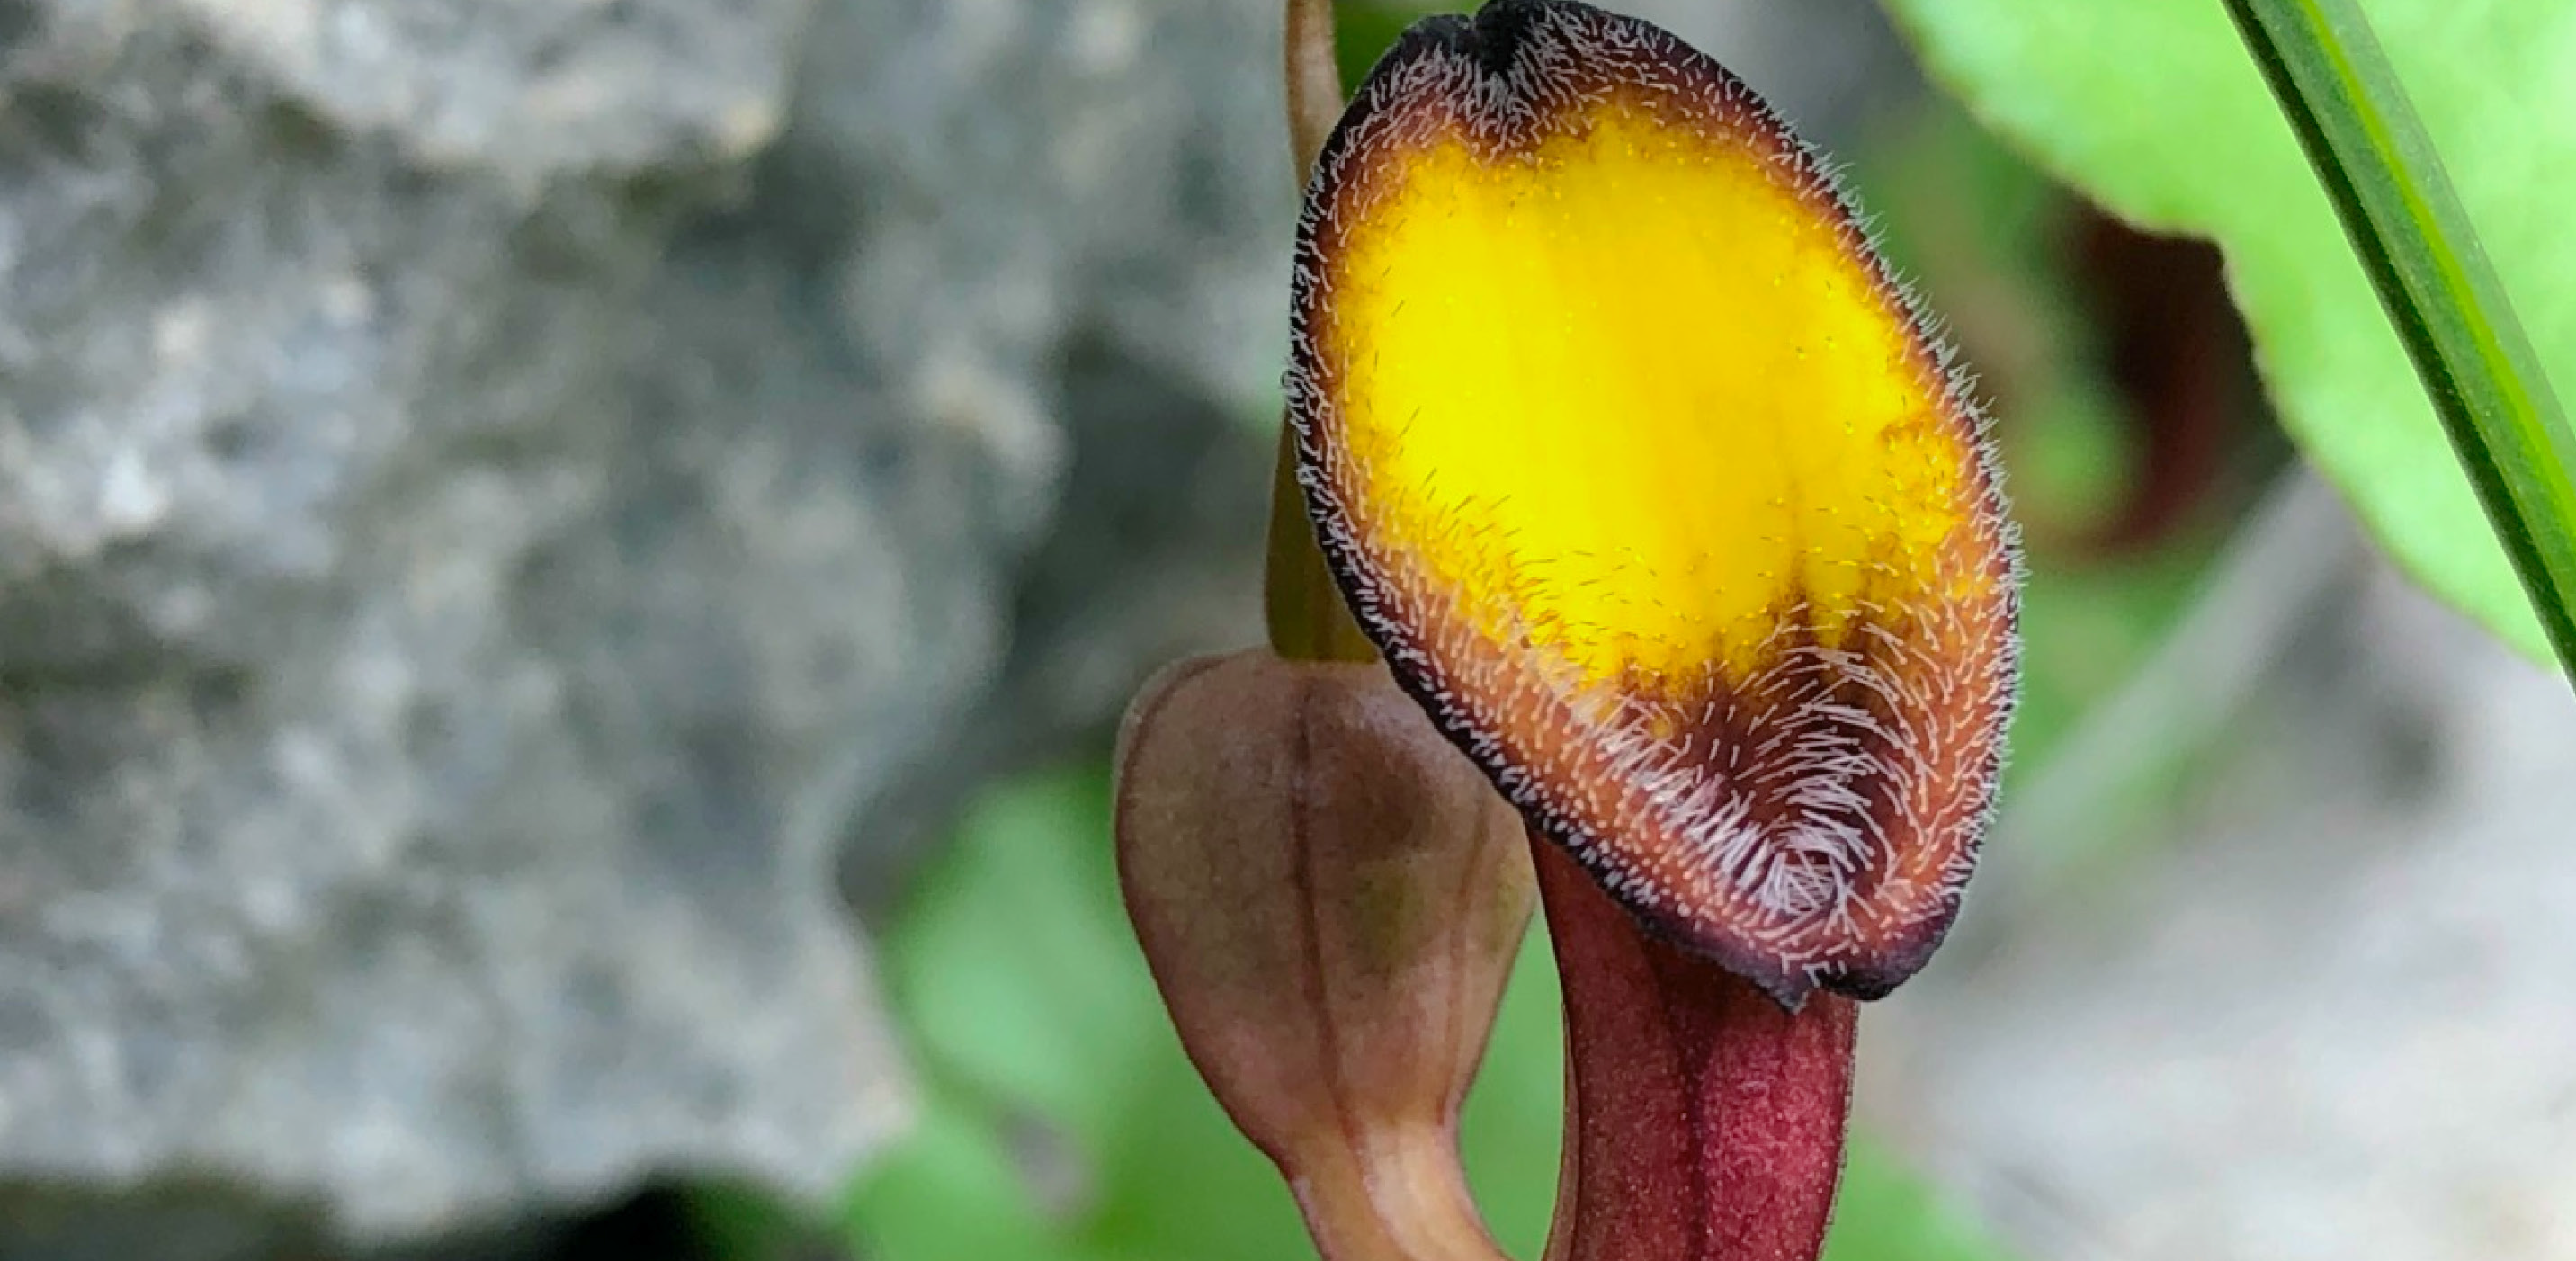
[(1703, 1122)]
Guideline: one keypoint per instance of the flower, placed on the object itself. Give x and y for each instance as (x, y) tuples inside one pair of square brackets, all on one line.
[(1654, 489), (1610, 432)]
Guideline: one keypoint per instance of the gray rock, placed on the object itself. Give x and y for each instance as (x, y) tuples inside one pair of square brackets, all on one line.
[(493, 497)]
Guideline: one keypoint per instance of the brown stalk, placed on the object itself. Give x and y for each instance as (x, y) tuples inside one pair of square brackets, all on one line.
[(1703, 1122), (1302, 605), (1314, 80)]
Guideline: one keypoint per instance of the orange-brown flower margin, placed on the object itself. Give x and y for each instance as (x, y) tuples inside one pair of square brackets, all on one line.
[(1655, 489)]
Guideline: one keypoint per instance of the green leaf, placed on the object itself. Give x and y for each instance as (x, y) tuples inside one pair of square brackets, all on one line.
[(2388, 184), (2155, 108), (1514, 1125), (1037, 1027), (1014, 968)]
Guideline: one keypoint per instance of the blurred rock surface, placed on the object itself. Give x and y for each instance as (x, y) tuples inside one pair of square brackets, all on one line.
[(493, 496)]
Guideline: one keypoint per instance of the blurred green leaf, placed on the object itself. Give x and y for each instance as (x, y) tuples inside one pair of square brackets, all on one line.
[(952, 1191), (2153, 107), (1888, 1213), (1013, 966), (1036, 1023), (740, 1223), (1364, 29)]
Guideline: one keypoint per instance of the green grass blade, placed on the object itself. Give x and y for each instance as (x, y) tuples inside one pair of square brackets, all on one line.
[(2396, 203)]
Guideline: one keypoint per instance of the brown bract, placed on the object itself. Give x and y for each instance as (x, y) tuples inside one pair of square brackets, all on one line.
[(1330, 898)]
